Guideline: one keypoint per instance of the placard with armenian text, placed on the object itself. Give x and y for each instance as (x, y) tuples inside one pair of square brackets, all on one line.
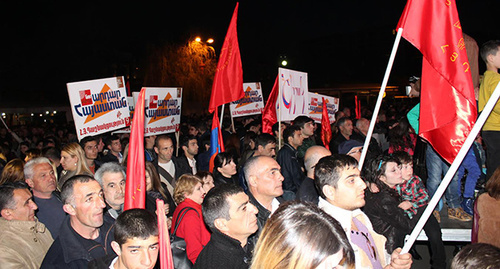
[(251, 104), (98, 106), (163, 110), (315, 106)]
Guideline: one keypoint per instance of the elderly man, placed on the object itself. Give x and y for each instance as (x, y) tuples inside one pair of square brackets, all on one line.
[(342, 194), (23, 240), (111, 176), (307, 191), (84, 235), (39, 175), (344, 134), (265, 183), (231, 217)]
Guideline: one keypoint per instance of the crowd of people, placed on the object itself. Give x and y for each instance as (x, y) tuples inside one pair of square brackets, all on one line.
[(280, 200)]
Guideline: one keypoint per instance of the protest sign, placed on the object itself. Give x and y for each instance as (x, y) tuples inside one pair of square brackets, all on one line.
[(98, 106), (163, 110), (293, 96), (252, 103), (315, 106)]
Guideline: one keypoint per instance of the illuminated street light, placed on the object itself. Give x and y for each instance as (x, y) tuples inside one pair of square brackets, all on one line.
[(197, 39), (284, 62), (210, 41)]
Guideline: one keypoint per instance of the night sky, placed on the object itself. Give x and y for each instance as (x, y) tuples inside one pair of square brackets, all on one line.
[(47, 44)]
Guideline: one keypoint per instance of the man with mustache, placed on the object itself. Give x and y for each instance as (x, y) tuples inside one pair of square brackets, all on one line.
[(39, 175), (111, 176)]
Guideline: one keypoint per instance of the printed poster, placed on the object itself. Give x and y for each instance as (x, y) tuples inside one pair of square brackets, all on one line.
[(315, 106), (163, 110), (251, 104), (293, 98), (98, 106)]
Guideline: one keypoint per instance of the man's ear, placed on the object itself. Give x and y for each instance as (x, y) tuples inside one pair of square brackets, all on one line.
[(329, 192), (184, 148), (252, 181), (156, 150), (69, 209), (221, 224), (490, 58), (7, 213), (116, 247), (29, 181)]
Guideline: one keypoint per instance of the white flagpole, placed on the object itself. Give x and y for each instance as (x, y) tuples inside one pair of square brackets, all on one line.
[(221, 116), (380, 97), (453, 168)]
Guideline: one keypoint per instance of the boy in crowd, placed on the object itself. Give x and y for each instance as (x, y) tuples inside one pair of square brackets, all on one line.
[(416, 198)]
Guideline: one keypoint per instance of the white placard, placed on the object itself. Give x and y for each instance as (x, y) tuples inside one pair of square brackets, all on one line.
[(294, 94), (251, 104), (98, 106), (163, 110), (315, 106)]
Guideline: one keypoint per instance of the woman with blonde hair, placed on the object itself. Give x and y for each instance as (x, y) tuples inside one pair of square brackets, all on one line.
[(13, 171), (73, 162), (300, 235), (189, 194)]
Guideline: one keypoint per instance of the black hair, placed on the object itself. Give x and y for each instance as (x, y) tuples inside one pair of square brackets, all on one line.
[(328, 169), (135, 223), (87, 139), (301, 121), (7, 193), (479, 255), (264, 139), (489, 48), (289, 132), (110, 139), (216, 205), (402, 156), (184, 141)]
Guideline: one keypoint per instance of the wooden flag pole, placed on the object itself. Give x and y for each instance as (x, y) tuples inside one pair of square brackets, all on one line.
[(379, 99), (453, 168)]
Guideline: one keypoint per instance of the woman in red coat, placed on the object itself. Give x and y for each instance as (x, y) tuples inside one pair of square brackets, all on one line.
[(189, 193)]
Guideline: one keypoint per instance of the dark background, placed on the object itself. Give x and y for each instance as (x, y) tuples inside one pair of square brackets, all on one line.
[(46, 44)]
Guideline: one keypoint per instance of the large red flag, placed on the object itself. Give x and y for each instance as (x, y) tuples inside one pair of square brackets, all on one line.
[(216, 142), (448, 107), (166, 259), (326, 129), (269, 117), (135, 188), (228, 81)]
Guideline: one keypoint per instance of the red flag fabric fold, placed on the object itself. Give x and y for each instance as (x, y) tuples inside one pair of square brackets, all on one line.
[(216, 142), (135, 187), (228, 81), (326, 129), (448, 107), (269, 117), (166, 259)]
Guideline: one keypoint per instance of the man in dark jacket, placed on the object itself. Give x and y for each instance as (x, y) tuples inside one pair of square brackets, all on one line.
[(231, 217), (307, 191), (187, 163), (84, 236), (287, 158)]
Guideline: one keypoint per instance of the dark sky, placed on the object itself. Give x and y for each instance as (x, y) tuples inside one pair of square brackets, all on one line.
[(46, 44)]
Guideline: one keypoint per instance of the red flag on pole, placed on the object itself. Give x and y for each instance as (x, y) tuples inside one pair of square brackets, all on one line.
[(135, 188), (228, 81), (216, 142), (269, 117), (166, 259), (448, 107), (326, 129)]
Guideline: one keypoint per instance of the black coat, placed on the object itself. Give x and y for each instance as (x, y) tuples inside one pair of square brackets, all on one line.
[(387, 218), (70, 250), (307, 191), (223, 251)]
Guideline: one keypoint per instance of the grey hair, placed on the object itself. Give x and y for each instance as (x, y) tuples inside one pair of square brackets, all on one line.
[(110, 167), (29, 167)]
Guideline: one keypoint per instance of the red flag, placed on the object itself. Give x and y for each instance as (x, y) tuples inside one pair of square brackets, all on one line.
[(166, 260), (448, 107), (326, 129), (228, 81), (269, 116), (216, 142), (135, 188)]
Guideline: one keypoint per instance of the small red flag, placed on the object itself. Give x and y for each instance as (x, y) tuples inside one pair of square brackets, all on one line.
[(135, 188), (228, 81), (166, 260), (326, 129), (269, 117), (448, 106)]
